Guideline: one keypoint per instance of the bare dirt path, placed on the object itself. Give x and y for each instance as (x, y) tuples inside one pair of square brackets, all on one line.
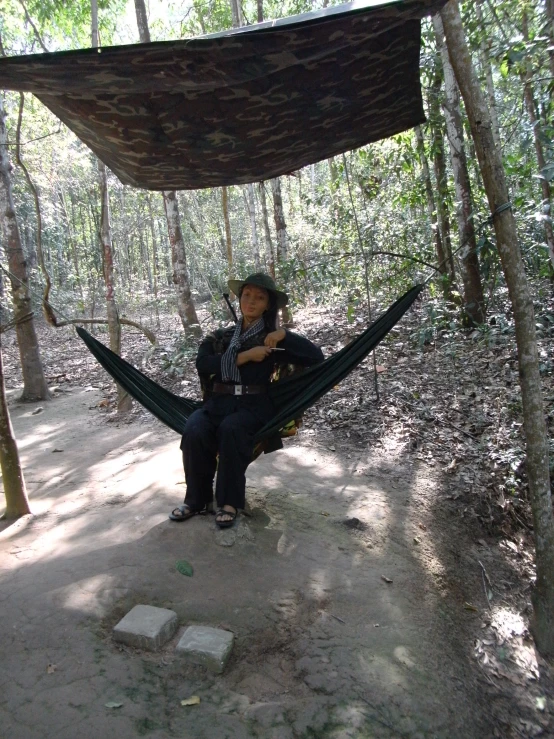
[(359, 605)]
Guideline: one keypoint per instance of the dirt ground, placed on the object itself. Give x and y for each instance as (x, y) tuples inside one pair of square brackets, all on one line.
[(362, 604)]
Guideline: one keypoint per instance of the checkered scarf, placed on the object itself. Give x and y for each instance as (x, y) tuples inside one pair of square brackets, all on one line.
[(229, 370)]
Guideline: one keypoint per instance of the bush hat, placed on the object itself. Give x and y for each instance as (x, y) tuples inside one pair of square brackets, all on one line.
[(260, 280)]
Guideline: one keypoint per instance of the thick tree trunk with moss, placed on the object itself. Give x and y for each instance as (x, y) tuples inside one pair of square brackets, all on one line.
[(17, 503), (34, 382), (534, 423), (474, 302)]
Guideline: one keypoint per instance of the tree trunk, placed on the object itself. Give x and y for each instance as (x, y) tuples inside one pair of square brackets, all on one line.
[(34, 382), (155, 260), (474, 303), (280, 224), (484, 49), (251, 205), (267, 232), (228, 241), (541, 160), (432, 215), (142, 22), (549, 7), (185, 305), (439, 167), (124, 400), (534, 424), (236, 13), (17, 503), (282, 236)]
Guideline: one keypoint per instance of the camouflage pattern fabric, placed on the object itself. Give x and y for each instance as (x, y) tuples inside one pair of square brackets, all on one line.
[(241, 106)]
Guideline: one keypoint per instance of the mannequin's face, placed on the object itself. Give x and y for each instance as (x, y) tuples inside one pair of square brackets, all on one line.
[(254, 301)]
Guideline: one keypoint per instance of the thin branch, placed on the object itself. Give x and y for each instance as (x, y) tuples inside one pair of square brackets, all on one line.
[(35, 29), (124, 322), (339, 255), (16, 322), (38, 138)]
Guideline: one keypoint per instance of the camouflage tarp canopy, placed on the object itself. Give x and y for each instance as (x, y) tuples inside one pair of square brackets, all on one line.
[(240, 106)]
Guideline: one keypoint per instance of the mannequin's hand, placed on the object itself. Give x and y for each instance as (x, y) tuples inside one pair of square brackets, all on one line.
[(256, 354), (275, 337)]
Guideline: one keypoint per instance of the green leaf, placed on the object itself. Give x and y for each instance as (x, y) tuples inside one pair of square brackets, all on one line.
[(184, 567), (548, 172)]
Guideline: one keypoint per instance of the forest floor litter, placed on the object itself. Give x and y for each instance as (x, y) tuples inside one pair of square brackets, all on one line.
[(378, 585)]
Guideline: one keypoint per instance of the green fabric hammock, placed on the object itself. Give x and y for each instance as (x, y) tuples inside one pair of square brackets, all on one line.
[(291, 395)]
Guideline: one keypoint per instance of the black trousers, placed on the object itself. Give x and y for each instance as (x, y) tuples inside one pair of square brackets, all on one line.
[(225, 426)]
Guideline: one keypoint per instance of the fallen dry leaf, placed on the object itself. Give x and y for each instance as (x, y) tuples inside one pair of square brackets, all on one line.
[(386, 579), (194, 700), (51, 668)]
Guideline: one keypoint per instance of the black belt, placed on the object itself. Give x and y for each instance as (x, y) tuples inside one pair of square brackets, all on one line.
[(220, 387)]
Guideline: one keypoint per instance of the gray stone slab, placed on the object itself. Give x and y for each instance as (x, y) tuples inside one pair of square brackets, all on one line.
[(146, 627), (204, 645)]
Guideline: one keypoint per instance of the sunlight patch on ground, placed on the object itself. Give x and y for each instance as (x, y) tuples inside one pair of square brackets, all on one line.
[(507, 623), (422, 544), (318, 584), (394, 442), (86, 595), (40, 438)]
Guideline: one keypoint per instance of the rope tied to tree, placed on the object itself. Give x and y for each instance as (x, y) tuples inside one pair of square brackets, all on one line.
[(501, 208)]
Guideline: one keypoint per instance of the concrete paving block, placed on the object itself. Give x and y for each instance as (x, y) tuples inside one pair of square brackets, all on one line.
[(204, 645), (146, 627)]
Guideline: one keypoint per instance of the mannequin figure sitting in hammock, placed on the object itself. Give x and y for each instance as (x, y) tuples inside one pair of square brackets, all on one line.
[(241, 360)]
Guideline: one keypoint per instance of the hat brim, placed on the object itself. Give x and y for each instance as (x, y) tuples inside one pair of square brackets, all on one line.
[(281, 297)]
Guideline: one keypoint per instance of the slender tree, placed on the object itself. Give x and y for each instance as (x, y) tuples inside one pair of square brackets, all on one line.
[(484, 57), (474, 304), (282, 235), (228, 238), (534, 120), (494, 179), (442, 257), (34, 382), (270, 254), (251, 206), (124, 400), (17, 502), (181, 280), (436, 123)]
